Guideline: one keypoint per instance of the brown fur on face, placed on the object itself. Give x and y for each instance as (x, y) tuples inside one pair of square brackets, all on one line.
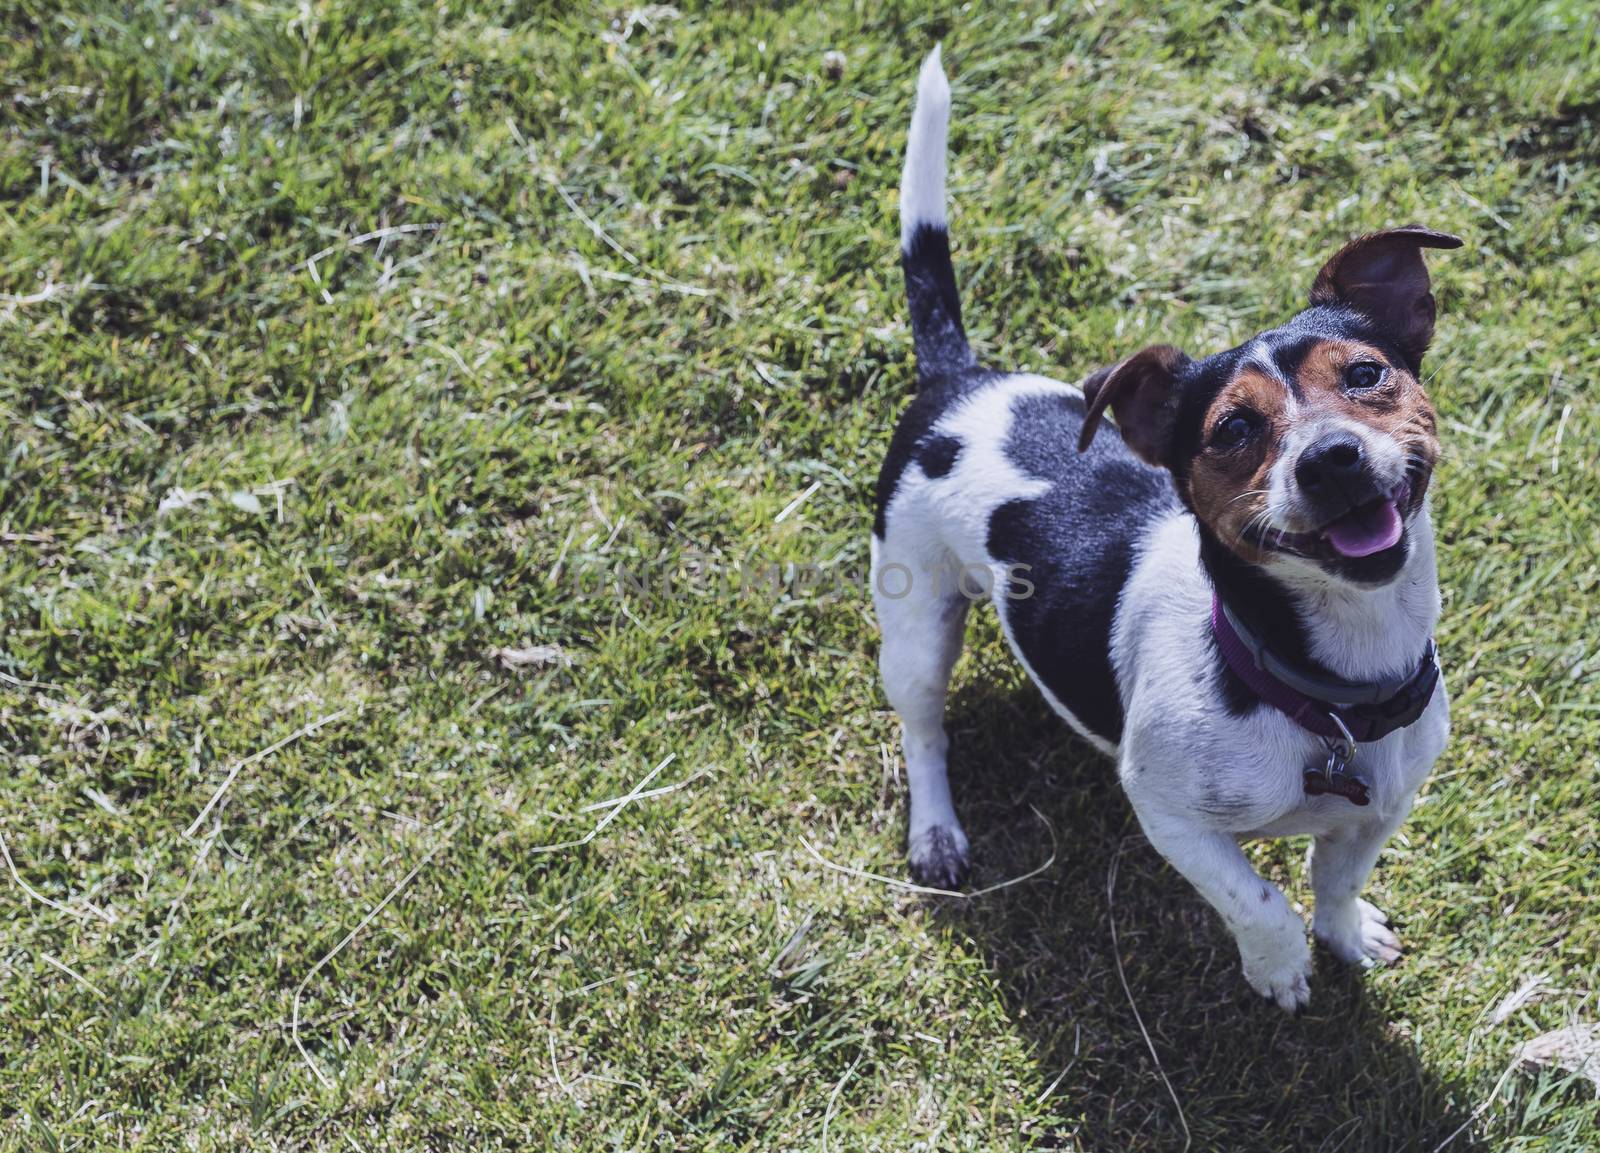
[(1227, 484), (1397, 407)]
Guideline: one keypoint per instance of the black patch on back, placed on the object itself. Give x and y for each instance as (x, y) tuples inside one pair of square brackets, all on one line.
[(915, 430), (937, 455), (1077, 541)]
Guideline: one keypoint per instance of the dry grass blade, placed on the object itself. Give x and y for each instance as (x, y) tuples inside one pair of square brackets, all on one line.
[(616, 805), (74, 974), (34, 894), (262, 754), (909, 887), (1122, 975), (299, 990)]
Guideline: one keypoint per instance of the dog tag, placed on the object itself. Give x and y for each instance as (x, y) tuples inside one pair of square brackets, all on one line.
[(1338, 782), (1336, 776)]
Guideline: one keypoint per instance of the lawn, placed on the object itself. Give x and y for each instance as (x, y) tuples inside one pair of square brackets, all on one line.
[(403, 411)]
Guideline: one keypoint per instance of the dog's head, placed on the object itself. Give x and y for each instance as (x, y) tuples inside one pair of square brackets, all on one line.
[(1312, 443)]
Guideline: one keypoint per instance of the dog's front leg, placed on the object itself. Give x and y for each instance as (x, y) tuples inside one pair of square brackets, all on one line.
[(1355, 930), (1271, 936)]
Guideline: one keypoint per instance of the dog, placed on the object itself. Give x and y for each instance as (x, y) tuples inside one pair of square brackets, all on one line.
[(1235, 598)]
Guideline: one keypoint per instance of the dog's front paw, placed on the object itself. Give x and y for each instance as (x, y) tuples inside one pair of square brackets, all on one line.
[(1281, 971), (939, 857), (1357, 933)]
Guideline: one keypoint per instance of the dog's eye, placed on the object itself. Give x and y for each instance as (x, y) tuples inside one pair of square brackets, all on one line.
[(1234, 429), (1363, 374)]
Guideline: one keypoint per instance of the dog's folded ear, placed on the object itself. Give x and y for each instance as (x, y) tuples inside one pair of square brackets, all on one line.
[(1141, 392), (1382, 274)]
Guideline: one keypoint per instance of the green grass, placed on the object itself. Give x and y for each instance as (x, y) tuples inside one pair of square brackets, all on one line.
[(635, 291)]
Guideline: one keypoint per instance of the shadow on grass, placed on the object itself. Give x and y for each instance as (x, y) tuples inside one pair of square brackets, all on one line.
[(1338, 1077)]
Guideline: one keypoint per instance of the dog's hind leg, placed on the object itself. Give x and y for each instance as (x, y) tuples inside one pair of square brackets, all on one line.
[(923, 618)]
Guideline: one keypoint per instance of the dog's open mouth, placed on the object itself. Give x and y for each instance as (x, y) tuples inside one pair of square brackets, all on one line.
[(1365, 530)]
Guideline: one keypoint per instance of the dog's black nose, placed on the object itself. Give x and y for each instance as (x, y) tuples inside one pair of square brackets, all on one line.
[(1328, 464)]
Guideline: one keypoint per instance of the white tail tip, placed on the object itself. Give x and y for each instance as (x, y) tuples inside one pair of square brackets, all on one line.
[(922, 181), (932, 84)]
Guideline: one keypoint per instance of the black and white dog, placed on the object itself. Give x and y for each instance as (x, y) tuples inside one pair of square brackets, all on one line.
[(1235, 599)]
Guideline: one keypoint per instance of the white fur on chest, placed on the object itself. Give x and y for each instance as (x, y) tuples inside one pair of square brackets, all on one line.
[(1183, 751)]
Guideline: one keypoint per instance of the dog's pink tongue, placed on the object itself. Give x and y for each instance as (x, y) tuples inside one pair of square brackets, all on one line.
[(1369, 529)]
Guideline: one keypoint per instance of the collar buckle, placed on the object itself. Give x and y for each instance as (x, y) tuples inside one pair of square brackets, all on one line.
[(1336, 776), (1341, 748)]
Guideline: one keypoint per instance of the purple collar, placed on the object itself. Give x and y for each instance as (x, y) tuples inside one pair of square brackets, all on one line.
[(1369, 710)]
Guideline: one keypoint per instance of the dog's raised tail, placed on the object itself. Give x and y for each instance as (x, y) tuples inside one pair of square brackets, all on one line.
[(936, 332)]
